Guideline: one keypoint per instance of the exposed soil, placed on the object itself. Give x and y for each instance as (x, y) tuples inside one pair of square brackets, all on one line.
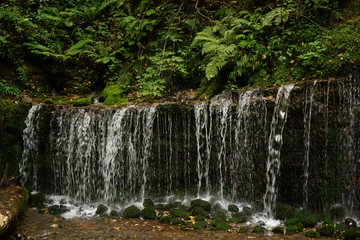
[(46, 226)]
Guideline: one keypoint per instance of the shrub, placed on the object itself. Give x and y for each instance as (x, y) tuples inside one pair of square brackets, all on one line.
[(279, 230), (149, 213), (82, 102), (201, 203), (200, 225), (233, 208), (326, 230), (132, 212), (351, 234), (223, 226), (311, 234), (258, 229)]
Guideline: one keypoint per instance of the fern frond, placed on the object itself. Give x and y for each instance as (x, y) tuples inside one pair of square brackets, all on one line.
[(78, 47)]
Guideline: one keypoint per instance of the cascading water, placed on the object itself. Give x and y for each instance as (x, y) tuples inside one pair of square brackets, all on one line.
[(100, 154), (274, 146), (250, 131), (309, 97), (220, 110), (213, 149), (29, 163), (349, 91), (203, 131)]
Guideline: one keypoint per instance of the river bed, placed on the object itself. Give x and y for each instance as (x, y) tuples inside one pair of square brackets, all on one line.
[(36, 226)]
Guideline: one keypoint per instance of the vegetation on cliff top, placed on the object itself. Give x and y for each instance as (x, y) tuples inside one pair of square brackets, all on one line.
[(149, 48)]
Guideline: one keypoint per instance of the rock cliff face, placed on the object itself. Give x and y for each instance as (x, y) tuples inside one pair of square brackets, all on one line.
[(296, 145)]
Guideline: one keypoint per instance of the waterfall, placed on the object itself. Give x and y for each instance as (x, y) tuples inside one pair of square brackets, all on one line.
[(349, 116), (250, 133), (101, 155), (203, 146), (220, 110), (309, 97), (29, 164), (274, 146)]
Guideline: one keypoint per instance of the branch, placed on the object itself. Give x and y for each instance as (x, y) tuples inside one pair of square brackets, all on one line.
[(197, 9)]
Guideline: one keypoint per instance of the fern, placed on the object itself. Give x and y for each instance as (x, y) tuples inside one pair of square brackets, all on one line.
[(7, 90), (78, 48)]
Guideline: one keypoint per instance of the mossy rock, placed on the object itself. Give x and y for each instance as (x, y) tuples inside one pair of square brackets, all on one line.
[(149, 213), (278, 230), (351, 234), (201, 203), (48, 101), (217, 221), (233, 208), (292, 221), (82, 102), (169, 206), (199, 218), (177, 221), (328, 221), (219, 214), (239, 217), (101, 209), (37, 200), (200, 225), (237, 220), (284, 211), (57, 210), (243, 229), (114, 213), (112, 95), (223, 226), (160, 206), (308, 220), (132, 212), (148, 203), (326, 230), (311, 234), (165, 219), (339, 227), (292, 229), (178, 213), (259, 229), (199, 211)]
